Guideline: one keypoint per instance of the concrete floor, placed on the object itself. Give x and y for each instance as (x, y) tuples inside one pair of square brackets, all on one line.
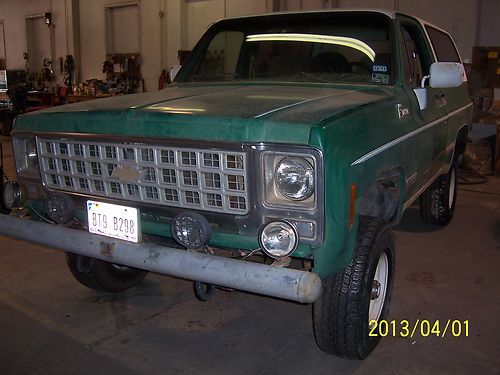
[(50, 324)]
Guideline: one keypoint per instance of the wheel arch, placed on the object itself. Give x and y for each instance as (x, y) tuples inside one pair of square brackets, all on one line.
[(461, 140), (383, 197)]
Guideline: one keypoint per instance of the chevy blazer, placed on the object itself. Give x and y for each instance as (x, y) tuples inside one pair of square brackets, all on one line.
[(277, 162)]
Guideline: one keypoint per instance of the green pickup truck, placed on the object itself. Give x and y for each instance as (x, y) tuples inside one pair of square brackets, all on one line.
[(277, 162)]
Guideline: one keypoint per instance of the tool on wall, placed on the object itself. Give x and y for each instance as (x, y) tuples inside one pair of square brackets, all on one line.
[(69, 70)]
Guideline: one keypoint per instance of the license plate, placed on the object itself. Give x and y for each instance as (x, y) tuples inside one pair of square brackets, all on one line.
[(113, 220)]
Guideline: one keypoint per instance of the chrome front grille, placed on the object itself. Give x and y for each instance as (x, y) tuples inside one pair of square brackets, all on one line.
[(203, 179)]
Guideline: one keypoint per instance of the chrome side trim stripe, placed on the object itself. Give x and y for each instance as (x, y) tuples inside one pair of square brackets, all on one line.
[(411, 180), (403, 138)]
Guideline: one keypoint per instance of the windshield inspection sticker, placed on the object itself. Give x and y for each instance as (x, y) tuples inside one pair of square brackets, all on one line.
[(379, 68), (380, 78)]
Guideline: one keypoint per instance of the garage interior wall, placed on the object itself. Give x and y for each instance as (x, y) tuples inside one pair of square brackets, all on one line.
[(166, 26), (13, 13), (2, 43)]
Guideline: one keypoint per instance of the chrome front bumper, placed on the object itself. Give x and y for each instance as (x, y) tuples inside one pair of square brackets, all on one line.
[(286, 283)]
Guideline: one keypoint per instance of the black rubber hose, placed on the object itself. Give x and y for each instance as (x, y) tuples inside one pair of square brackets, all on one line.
[(203, 291)]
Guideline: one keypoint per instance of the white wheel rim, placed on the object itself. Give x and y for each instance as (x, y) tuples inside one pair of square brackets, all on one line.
[(451, 193), (379, 288)]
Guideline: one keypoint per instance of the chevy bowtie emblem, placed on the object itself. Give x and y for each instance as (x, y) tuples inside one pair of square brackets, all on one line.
[(126, 173)]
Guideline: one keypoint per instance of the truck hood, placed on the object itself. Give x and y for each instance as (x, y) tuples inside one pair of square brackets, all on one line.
[(218, 112)]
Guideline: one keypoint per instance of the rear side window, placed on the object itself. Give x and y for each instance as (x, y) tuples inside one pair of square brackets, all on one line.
[(443, 45)]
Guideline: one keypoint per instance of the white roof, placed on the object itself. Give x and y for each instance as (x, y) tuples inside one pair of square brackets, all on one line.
[(388, 13)]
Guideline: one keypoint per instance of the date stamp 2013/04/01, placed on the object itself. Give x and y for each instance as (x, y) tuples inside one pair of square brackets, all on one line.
[(420, 327)]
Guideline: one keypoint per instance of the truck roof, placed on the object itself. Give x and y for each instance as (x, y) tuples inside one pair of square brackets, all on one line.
[(389, 13)]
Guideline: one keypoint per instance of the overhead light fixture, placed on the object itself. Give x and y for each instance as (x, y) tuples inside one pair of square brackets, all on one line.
[(315, 38)]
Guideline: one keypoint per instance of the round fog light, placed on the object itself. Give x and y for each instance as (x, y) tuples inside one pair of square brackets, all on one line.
[(60, 208), (191, 230), (12, 195), (278, 239)]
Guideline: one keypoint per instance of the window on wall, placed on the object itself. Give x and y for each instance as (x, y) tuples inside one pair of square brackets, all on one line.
[(38, 42), (122, 29), (443, 45)]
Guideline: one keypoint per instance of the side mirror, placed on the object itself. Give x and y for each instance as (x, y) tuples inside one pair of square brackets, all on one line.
[(444, 75)]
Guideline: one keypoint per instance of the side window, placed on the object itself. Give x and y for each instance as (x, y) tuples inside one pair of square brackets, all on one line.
[(443, 45), (413, 69)]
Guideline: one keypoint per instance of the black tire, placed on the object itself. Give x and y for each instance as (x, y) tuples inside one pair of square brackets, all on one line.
[(103, 276), (3, 209), (6, 120), (341, 316), (437, 203)]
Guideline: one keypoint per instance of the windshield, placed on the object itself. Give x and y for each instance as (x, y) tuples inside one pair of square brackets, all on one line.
[(352, 47)]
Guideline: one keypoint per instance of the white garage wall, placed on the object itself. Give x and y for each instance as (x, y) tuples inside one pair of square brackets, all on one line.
[(245, 8), (169, 25), (13, 14), (93, 39), (456, 17), (488, 26), (187, 20), (303, 4), (2, 42), (199, 14)]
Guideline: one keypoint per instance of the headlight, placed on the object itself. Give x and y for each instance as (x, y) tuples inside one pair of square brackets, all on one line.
[(26, 154), (292, 188), (295, 178), (31, 154), (290, 179)]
